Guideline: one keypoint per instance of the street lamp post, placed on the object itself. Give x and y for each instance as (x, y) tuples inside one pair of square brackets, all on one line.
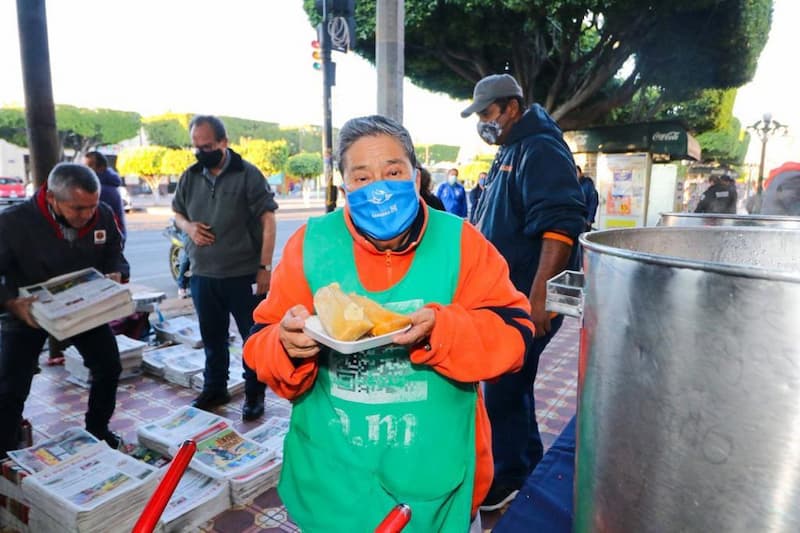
[(765, 128)]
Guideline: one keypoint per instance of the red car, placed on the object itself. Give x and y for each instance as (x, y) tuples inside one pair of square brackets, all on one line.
[(11, 190)]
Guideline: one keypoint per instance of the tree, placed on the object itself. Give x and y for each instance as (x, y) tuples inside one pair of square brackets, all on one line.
[(79, 129), (434, 153), (145, 162), (578, 58), (305, 165), (726, 146), (269, 156), (170, 129), (175, 161)]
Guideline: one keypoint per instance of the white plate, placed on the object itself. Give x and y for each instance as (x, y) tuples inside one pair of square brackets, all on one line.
[(313, 328)]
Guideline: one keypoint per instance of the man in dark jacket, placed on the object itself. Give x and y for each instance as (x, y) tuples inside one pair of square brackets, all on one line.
[(590, 196), (720, 197), (61, 229), (226, 208), (110, 182), (532, 209)]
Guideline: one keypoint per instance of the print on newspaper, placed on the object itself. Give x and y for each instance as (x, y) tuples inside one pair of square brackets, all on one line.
[(378, 376)]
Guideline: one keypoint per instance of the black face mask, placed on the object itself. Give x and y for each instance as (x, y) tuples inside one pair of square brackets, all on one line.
[(210, 159)]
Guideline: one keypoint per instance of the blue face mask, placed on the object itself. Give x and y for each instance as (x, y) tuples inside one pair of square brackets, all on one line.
[(384, 209)]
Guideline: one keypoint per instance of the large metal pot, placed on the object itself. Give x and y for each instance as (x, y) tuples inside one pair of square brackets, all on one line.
[(714, 219), (689, 381)]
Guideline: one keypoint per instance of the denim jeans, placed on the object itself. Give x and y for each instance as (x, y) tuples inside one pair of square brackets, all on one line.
[(516, 444), (215, 300), (20, 346)]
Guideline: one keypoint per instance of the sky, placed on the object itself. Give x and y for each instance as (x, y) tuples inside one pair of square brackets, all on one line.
[(252, 59)]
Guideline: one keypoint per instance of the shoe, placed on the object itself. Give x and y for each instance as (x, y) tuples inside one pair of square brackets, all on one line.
[(183, 293), (113, 440), (253, 408), (498, 497), (209, 400)]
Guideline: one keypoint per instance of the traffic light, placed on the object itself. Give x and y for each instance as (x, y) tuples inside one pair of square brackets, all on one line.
[(316, 54)]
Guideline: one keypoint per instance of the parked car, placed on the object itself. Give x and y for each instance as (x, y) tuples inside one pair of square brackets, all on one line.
[(126, 199), (11, 190)]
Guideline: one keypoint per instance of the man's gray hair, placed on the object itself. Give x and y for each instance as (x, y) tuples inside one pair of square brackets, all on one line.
[(371, 126), (217, 126), (68, 176)]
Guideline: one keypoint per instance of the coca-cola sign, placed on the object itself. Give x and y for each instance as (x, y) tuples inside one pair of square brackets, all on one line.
[(666, 136)]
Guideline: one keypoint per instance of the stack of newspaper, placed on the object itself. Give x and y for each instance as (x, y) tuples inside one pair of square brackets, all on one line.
[(79, 484), (246, 487), (235, 378), (77, 302), (170, 432), (130, 355), (222, 452), (196, 500), (180, 368), (180, 329), (154, 361)]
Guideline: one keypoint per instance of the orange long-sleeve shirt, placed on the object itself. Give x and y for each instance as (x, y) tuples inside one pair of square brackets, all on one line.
[(481, 335)]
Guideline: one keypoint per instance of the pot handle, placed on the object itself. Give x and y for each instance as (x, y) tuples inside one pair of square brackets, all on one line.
[(565, 293)]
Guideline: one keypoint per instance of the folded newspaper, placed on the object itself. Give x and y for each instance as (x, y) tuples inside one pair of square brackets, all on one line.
[(89, 491), (79, 301), (170, 431)]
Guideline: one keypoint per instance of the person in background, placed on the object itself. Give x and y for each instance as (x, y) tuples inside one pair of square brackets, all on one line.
[(718, 198), (532, 211), (590, 196), (110, 182), (475, 193), (404, 422), (452, 194), (63, 228), (425, 183), (225, 206)]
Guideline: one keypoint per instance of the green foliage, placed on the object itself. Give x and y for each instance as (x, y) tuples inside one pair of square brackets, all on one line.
[(429, 154), (269, 156), (169, 133), (469, 173), (240, 128), (78, 128), (82, 129), (727, 146), (305, 165), (303, 138), (175, 161), (569, 54), (12, 126), (144, 162)]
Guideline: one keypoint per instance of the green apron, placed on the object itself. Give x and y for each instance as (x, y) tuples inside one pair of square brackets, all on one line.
[(376, 430)]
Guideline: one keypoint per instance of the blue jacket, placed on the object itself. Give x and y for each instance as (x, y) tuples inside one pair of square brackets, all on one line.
[(110, 183), (531, 188), (454, 198)]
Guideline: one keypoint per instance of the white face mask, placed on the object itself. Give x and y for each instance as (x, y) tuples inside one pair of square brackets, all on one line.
[(490, 131)]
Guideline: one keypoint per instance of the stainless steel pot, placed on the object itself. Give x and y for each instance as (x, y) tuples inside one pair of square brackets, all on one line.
[(714, 219), (689, 380)]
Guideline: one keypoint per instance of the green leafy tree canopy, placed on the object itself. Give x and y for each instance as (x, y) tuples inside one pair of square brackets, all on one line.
[(305, 165), (269, 156), (578, 58)]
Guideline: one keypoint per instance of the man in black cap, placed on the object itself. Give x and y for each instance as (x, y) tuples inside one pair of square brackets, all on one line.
[(532, 209)]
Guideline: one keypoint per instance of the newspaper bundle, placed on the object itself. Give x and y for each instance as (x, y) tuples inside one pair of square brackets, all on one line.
[(77, 302), (170, 431), (14, 506), (179, 369), (196, 500), (222, 452), (90, 490), (154, 361), (180, 329), (130, 355), (67, 444), (246, 487), (235, 378)]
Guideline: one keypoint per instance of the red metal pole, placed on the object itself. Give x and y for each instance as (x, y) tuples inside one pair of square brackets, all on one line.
[(396, 520), (152, 511)]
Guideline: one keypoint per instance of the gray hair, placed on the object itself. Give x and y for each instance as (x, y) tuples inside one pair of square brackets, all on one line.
[(371, 126), (217, 126), (68, 176)]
